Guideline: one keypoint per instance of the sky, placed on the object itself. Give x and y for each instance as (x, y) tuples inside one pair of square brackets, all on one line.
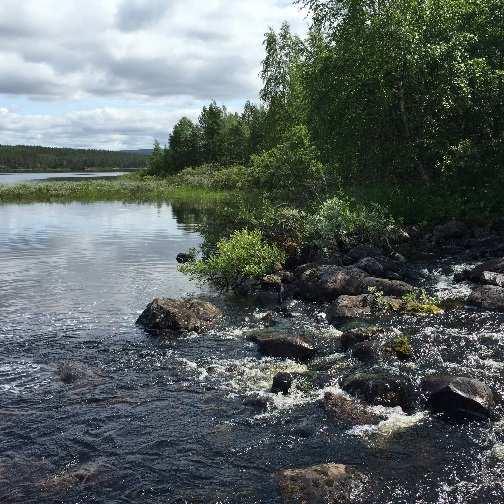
[(116, 74)]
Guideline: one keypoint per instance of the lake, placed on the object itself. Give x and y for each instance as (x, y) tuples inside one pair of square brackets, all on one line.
[(17, 178), (184, 420)]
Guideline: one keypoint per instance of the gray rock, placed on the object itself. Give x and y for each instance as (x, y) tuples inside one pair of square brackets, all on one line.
[(350, 307), (380, 388), (395, 288), (459, 396), (169, 317), (282, 344), (362, 251), (320, 484), (489, 273), (489, 297)]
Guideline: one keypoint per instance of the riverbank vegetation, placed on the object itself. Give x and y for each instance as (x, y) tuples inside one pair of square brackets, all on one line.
[(27, 158), (128, 189), (385, 115)]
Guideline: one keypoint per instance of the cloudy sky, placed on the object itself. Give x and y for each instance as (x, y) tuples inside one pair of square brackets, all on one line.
[(118, 73)]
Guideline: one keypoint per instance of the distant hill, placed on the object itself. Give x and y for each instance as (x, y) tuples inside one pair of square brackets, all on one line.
[(54, 159), (141, 152)]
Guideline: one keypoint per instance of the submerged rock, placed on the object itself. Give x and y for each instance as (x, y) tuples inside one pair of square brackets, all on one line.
[(184, 258), (380, 388), (167, 317), (349, 412), (489, 297), (459, 396), (282, 344), (320, 484)]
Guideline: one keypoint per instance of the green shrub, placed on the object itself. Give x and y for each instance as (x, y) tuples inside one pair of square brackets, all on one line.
[(244, 255), (291, 170), (340, 221), (229, 178)]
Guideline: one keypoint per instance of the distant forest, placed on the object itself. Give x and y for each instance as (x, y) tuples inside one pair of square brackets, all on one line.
[(34, 158)]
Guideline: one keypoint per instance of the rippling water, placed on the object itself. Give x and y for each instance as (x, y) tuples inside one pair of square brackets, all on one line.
[(177, 421)]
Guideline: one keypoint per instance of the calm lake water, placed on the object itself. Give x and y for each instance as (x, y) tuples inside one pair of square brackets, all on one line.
[(16, 178), (179, 421)]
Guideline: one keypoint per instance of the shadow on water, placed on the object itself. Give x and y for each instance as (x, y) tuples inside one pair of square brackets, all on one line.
[(94, 410)]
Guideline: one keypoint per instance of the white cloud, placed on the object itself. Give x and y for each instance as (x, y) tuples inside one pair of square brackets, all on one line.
[(105, 128), (135, 53)]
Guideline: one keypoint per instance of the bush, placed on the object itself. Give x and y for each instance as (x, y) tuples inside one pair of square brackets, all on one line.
[(242, 256), (229, 178), (340, 221), (289, 171)]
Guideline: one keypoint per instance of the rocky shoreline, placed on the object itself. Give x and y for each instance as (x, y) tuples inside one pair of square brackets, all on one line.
[(354, 286)]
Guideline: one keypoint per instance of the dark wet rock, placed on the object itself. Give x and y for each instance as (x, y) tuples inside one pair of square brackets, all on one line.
[(489, 297), (450, 231), (353, 336), (171, 316), (349, 412), (350, 307), (380, 388), (329, 281), (284, 345), (368, 352), (363, 251), (326, 282), (321, 484), (282, 382), (184, 258), (379, 267), (257, 400), (459, 396), (395, 288), (489, 273)]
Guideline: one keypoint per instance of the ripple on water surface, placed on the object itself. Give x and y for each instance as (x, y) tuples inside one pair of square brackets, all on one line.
[(94, 410)]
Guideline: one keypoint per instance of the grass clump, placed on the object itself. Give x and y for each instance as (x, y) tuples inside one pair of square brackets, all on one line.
[(245, 255), (420, 302), (128, 188), (401, 346)]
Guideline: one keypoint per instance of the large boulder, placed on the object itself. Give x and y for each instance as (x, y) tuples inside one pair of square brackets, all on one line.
[(168, 317), (459, 396), (380, 388), (349, 412), (328, 281), (490, 273), (489, 297), (379, 266), (395, 288), (320, 484), (282, 344)]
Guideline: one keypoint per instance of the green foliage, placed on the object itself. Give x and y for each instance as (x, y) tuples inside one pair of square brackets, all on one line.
[(341, 221), (244, 255), (420, 302), (407, 89), (157, 164), (185, 145), (289, 171), (401, 346)]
